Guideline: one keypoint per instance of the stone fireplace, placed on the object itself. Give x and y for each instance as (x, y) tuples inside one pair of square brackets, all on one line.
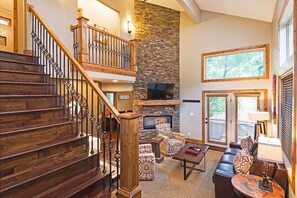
[(157, 60)]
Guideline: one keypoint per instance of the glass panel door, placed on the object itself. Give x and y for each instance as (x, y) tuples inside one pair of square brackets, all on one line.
[(217, 118), (245, 103)]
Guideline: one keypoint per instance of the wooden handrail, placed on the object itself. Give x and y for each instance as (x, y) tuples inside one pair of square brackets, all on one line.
[(90, 81), (108, 34)]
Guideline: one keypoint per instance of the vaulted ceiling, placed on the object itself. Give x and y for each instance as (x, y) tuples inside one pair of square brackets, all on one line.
[(262, 10)]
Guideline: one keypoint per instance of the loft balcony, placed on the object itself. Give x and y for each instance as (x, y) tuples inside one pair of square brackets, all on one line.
[(103, 55)]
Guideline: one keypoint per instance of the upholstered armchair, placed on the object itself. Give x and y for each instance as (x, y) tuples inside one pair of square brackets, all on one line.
[(146, 162), (172, 142)]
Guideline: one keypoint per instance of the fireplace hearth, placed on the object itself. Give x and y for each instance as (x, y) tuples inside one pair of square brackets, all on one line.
[(149, 121)]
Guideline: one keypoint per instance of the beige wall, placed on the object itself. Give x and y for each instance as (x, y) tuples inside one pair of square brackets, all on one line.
[(126, 12), (215, 32), (59, 15), (99, 14), (280, 70)]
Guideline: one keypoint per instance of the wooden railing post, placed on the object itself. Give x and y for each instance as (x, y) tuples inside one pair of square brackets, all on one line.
[(82, 40), (133, 56), (129, 138)]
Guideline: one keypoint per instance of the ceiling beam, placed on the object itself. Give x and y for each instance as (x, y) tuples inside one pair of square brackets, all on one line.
[(191, 8)]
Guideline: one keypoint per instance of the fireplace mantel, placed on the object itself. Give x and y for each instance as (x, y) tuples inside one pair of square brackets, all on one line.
[(142, 103)]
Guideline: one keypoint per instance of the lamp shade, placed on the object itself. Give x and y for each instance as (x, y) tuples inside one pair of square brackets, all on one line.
[(259, 115), (270, 149)]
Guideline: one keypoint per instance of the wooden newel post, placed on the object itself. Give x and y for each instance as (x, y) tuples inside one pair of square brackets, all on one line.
[(82, 40), (133, 56), (129, 137)]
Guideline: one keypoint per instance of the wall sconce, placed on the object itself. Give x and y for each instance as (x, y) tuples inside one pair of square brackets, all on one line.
[(129, 26)]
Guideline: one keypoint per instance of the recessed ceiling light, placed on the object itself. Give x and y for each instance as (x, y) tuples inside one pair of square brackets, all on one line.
[(115, 81)]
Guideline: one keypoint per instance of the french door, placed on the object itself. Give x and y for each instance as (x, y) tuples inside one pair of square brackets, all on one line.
[(226, 116)]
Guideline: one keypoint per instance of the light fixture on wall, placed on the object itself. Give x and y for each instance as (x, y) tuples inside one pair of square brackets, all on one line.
[(129, 26)]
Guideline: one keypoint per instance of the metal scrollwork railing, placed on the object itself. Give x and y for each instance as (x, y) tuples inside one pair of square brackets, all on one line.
[(83, 101)]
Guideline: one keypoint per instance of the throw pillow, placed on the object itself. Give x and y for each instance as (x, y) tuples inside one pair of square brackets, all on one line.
[(163, 127), (168, 134), (242, 162), (247, 143)]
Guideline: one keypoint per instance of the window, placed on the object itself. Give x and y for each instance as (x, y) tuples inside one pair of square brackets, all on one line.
[(245, 63), (286, 41), (286, 113)]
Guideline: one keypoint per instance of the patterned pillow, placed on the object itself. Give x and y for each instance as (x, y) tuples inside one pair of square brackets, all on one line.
[(163, 127), (247, 143), (242, 162)]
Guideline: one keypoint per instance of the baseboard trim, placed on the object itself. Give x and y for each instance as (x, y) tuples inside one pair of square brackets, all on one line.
[(193, 141)]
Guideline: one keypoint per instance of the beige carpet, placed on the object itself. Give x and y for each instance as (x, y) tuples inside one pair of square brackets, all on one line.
[(169, 182)]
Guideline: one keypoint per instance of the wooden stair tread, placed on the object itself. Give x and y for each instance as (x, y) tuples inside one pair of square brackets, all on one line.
[(75, 185), (22, 72), (40, 171), (34, 128), (20, 62), (27, 96), (39, 146), (18, 54), (31, 111), (25, 83)]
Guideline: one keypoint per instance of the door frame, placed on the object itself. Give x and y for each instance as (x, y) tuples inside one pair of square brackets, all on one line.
[(226, 118), (204, 92), (236, 95), (20, 26)]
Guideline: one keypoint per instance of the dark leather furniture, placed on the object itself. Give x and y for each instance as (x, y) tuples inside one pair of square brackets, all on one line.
[(225, 171)]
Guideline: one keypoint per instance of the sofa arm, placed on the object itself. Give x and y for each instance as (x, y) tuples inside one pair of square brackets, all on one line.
[(179, 136), (234, 145), (223, 185)]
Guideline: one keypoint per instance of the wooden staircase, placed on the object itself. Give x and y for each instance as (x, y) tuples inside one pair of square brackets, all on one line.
[(41, 153)]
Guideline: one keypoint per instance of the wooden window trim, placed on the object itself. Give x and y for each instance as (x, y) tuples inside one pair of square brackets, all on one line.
[(226, 118), (233, 51)]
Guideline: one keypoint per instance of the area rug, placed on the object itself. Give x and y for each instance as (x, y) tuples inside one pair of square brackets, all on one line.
[(169, 182)]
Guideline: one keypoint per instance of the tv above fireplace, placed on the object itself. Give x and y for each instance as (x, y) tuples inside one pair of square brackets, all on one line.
[(160, 91)]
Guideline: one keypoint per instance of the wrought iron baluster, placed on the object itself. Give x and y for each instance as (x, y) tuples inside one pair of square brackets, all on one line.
[(110, 146), (92, 121), (82, 105), (104, 138), (117, 154), (98, 128), (76, 101), (87, 116)]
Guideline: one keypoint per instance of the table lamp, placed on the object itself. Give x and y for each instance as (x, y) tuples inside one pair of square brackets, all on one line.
[(260, 117), (269, 150)]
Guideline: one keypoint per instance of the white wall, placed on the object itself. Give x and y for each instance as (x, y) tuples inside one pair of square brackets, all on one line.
[(215, 32), (59, 15), (99, 14)]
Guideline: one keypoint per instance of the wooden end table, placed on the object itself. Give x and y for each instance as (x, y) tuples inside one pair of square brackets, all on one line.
[(194, 159), (155, 142), (248, 186)]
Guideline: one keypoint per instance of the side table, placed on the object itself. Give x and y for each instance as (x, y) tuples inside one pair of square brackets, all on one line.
[(155, 142), (248, 186)]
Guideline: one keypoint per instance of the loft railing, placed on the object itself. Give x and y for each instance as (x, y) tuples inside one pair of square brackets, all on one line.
[(99, 50), (90, 110)]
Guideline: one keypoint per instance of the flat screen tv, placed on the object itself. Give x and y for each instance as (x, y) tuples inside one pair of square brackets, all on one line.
[(160, 91)]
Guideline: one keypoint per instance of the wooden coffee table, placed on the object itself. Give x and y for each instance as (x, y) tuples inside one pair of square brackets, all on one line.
[(194, 159)]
